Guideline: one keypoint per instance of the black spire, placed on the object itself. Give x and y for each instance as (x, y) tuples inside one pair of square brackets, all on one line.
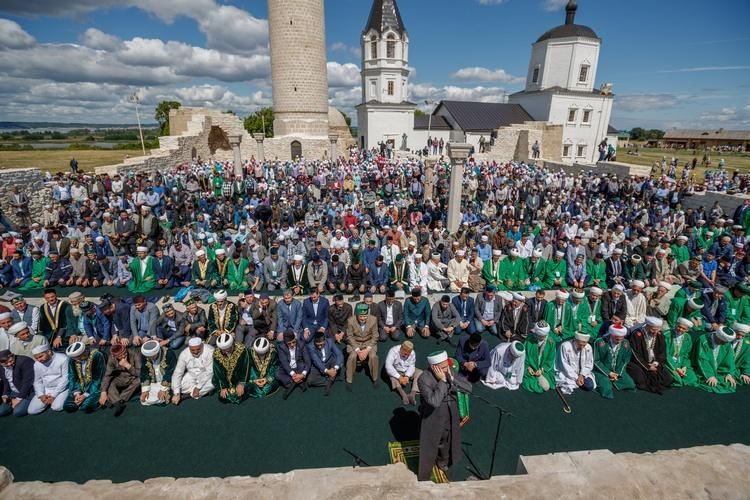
[(570, 12), (383, 16)]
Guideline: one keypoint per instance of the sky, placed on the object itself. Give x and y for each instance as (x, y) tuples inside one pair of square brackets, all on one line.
[(672, 63)]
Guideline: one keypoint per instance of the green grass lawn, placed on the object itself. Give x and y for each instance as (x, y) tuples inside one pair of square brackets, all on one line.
[(57, 160), (647, 156)]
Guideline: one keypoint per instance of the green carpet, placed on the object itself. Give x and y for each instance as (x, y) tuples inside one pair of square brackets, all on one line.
[(206, 438)]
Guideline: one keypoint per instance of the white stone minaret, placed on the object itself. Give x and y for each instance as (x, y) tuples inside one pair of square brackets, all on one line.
[(298, 68)]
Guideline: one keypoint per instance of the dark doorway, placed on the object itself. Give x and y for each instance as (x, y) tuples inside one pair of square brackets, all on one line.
[(296, 150)]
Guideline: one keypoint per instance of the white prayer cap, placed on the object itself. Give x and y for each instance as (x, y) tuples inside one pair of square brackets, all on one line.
[(618, 287), (660, 251), (514, 252), (577, 295), (201, 236), (220, 295), (595, 290), (141, 249), (617, 251), (242, 227), (195, 342), (485, 238), (506, 296), (150, 348), (541, 329), (76, 349), (637, 283), (695, 303), (562, 294), (5, 315), (417, 255), (559, 253), (617, 330), (682, 237), (538, 253), (221, 251), (17, 328), (437, 357), (725, 334), (497, 253), (665, 284), (298, 257), (517, 349), (261, 345), (460, 253), (685, 322), (644, 239), (225, 341), (741, 327), (700, 222), (636, 258), (200, 253), (583, 337), (107, 214), (99, 239), (40, 349), (518, 296), (210, 240)]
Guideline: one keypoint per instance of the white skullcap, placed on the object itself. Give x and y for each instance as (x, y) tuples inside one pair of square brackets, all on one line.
[(141, 249), (559, 253), (5, 315), (417, 255), (514, 252), (76, 349), (201, 236), (107, 214), (583, 337), (617, 251), (460, 253), (225, 341), (665, 284), (210, 240), (617, 330), (577, 295), (99, 239), (437, 357), (242, 227), (200, 253), (685, 322), (638, 283), (654, 321), (518, 296), (221, 251), (195, 342), (299, 257), (18, 327), (741, 327), (485, 238), (725, 334), (261, 345), (538, 253), (40, 349), (517, 349), (220, 295), (497, 253), (619, 287), (682, 237), (562, 294), (595, 290), (150, 348), (541, 329)]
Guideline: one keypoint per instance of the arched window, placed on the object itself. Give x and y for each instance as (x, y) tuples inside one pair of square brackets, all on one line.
[(373, 47), (390, 47), (296, 150)]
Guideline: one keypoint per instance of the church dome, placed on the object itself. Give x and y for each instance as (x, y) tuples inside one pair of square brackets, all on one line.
[(336, 118), (569, 29)]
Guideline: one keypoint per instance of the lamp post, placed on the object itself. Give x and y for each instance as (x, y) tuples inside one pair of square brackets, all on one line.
[(429, 127), (134, 99)]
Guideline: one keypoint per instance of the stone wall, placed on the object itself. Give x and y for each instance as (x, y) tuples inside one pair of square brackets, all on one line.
[(30, 181), (515, 142)]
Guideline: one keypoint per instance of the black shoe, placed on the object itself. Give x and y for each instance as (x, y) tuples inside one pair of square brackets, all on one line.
[(349, 386), (288, 392), (304, 386), (120, 408), (327, 391)]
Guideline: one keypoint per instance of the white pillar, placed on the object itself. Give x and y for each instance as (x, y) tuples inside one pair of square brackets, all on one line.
[(458, 153), (234, 141), (332, 153), (259, 137)]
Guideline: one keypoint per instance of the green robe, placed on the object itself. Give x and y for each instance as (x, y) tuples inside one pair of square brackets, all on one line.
[(679, 357), (536, 360), (604, 363), (554, 270), (491, 274), (208, 273), (589, 327), (708, 365), (402, 276), (142, 282), (263, 368), (167, 361), (679, 308), (569, 323), (512, 273), (738, 309), (217, 183), (231, 371), (596, 272), (237, 274), (38, 271), (581, 317), (681, 253), (535, 271), (86, 380), (634, 271), (741, 350)]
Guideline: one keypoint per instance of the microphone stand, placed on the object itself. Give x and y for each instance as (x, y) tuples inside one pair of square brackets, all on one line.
[(500, 412), (358, 461)]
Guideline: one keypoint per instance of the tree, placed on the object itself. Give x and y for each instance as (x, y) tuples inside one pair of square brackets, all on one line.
[(654, 134), (162, 115), (637, 134), (419, 112), (255, 122)]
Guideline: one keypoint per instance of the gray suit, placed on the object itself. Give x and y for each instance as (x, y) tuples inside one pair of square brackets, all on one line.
[(277, 282), (161, 329), (398, 319), (497, 310), (140, 323)]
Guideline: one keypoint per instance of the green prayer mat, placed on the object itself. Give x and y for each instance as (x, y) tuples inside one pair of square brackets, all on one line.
[(407, 452)]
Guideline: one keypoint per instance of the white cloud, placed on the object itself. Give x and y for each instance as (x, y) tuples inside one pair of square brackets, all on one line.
[(553, 5), (425, 91), (724, 115), (479, 74), (96, 39), (702, 69), (491, 2), (346, 49), (12, 36), (343, 75), (643, 102)]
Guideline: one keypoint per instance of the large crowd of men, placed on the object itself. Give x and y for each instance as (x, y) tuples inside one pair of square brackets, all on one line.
[(647, 296)]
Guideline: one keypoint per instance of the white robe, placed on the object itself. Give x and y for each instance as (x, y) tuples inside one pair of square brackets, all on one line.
[(570, 363), (50, 379), (192, 372), (636, 306), (505, 370), (436, 273)]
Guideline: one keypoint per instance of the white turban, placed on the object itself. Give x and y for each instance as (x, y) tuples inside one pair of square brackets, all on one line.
[(225, 341), (261, 345), (541, 329), (76, 349), (150, 348), (654, 321), (595, 290), (538, 253), (517, 349), (221, 251), (17, 328), (437, 357), (298, 257), (141, 249), (577, 294), (514, 252), (665, 284), (741, 327), (685, 322), (638, 283), (725, 334), (583, 337), (518, 296), (40, 349), (617, 330), (497, 253), (562, 294)]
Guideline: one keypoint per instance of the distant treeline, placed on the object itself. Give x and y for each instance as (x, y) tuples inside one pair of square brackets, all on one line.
[(83, 134)]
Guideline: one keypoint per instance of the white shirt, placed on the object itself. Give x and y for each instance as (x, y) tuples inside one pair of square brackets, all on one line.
[(200, 368), (9, 378), (396, 366), (51, 378)]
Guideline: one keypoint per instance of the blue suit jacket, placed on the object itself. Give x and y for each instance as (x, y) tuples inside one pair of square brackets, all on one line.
[(301, 354), (310, 320), (721, 310), (331, 349), (467, 315), (481, 356), (378, 276), (163, 271), (21, 268), (286, 319)]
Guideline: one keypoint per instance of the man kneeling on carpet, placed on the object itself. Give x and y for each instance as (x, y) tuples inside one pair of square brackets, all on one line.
[(121, 378), (231, 369), (400, 365), (193, 375), (85, 374), (157, 367), (574, 365), (611, 358), (507, 361)]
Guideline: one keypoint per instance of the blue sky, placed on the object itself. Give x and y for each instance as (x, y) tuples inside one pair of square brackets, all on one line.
[(673, 63)]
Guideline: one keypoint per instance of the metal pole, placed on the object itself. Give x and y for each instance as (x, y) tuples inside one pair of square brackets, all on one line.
[(263, 120), (429, 129), (134, 97)]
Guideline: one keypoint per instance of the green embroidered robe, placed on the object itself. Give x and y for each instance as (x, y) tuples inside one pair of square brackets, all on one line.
[(539, 359), (142, 281), (237, 274), (512, 273), (713, 362), (678, 356), (231, 371), (604, 363), (264, 368), (554, 270), (38, 270)]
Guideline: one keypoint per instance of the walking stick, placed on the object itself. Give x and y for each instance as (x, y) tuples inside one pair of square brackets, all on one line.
[(566, 406)]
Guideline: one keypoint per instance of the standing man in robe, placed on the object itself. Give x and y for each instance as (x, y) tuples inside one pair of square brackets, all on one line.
[(679, 345), (143, 272), (439, 434), (193, 375), (231, 369), (611, 357), (85, 373), (575, 364), (50, 380), (157, 369), (713, 361), (507, 362), (540, 359), (648, 366)]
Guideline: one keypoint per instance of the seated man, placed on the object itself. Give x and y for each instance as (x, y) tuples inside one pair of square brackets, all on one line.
[(559, 317), (513, 272), (417, 314), (338, 317), (22, 342), (295, 363), (713, 361), (362, 345), (169, 328), (17, 379), (193, 374), (50, 380), (264, 317), (121, 378), (514, 322), (611, 357), (245, 332), (390, 314), (464, 304), (263, 366), (507, 362), (314, 316), (400, 365), (222, 316), (540, 359), (741, 349), (648, 366), (377, 276), (142, 315), (679, 346), (574, 365), (23, 311), (473, 356), (231, 369), (336, 275), (157, 369), (399, 276), (487, 312), (85, 373), (289, 315), (196, 323), (327, 360), (444, 318)]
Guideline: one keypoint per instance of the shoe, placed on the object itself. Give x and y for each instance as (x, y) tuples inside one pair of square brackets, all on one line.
[(405, 400), (413, 399), (120, 408), (288, 392), (327, 391), (349, 386), (304, 386)]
